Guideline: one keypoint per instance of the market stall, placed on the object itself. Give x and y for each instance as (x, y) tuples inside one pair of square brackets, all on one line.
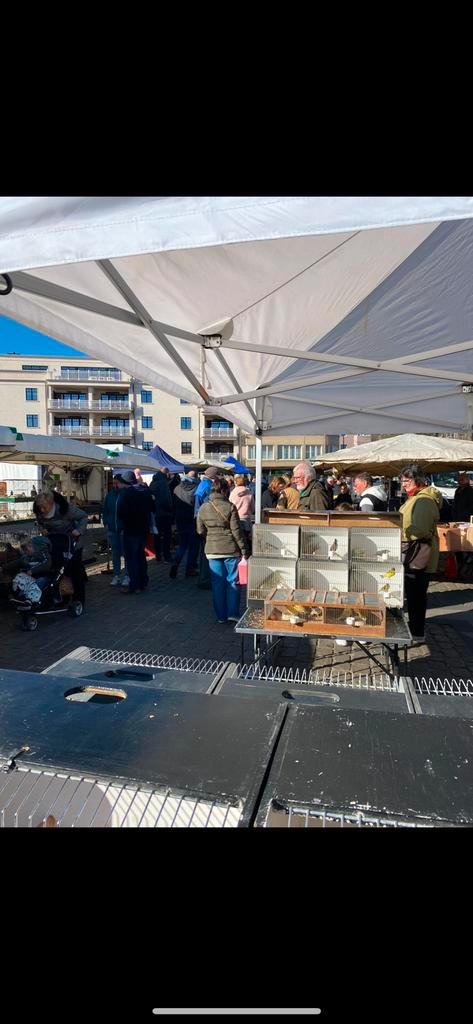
[(338, 576)]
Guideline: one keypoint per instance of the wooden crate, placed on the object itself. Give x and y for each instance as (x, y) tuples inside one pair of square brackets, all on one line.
[(325, 613)]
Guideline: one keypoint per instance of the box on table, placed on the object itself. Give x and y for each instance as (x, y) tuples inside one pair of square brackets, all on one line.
[(325, 612)]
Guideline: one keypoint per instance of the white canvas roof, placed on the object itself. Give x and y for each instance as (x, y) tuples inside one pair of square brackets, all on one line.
[(389, 455), (40, 449), (346, 313)]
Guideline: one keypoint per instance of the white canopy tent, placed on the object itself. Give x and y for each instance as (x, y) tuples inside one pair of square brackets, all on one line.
[(40, 449), (389, 455), (268, 310)]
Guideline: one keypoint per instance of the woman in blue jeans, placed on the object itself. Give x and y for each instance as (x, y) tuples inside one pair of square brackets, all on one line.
[(225, 543)]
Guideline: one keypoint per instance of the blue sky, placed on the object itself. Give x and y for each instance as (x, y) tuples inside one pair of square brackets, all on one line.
[(19, 339)]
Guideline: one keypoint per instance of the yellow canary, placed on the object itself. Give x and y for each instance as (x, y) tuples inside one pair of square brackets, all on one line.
[(390, 572)]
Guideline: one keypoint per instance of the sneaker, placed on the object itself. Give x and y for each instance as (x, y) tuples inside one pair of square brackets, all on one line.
[(342, 643), (115, 581), (173, 572), (233, 618), (126, 581), (221, 622)]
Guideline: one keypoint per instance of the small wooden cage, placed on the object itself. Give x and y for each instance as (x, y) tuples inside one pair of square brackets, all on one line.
[(332, 613)]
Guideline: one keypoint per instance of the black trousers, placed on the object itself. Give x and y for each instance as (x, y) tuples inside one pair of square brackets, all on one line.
[(416, 584), (75, 570), (162, 540)]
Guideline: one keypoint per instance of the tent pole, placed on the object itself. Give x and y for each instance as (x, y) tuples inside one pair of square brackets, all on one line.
[(259, 474), (469, 415)]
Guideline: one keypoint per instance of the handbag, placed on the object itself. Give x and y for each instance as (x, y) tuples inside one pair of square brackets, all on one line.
[(416, 554)]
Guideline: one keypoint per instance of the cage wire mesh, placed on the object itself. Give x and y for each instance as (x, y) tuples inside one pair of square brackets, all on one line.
[(266, 574), (380, 545), (280, 816), (275, 541), (330, 575), (444, 687), (207, 666), (325, 543), (33, 797), (386, 580), (319, 677)]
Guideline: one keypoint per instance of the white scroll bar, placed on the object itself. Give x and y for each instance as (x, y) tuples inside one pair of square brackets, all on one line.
[(199, 1010)]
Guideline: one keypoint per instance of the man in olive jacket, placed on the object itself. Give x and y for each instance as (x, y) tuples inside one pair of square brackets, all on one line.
[(225, 542), (313, 495)]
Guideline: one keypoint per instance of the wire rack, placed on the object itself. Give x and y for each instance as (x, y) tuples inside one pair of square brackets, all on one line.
[(265, 574), (325, 543), (319, 677), (375, 545), (31, 797), (386, 580), (313, 575), (444, 687), (101, 655), (302, 817), (275, 541)]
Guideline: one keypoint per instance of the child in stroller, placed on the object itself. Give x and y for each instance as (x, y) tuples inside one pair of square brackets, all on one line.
[(51, 591)]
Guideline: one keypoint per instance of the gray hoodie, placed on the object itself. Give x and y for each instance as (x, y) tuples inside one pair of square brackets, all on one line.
[(374, 499)]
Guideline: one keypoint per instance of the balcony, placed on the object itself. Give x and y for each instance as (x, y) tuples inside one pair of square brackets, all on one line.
[(112, 431), (96, 405), (69, 431), (87, 376), (219, 433)]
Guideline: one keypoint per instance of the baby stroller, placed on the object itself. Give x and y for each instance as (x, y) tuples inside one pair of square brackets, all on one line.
[(51, 600)]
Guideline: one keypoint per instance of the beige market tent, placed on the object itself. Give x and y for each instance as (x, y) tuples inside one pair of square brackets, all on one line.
[(388, 456)]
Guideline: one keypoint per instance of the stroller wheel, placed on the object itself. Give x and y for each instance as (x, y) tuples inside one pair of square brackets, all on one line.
[(75, 609), (30, 622)]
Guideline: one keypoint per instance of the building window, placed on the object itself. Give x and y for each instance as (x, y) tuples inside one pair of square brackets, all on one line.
[(147, 446), (147, 422), (33, 366), (186, 448), (267, 451), (114, 421), (31, 394), (289, 451), (32, 421), (70, 421), (183, 402), (146, 397), (186, 423), (312, 451)]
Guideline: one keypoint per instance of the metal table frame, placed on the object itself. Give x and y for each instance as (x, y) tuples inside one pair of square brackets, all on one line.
[(265, 641)]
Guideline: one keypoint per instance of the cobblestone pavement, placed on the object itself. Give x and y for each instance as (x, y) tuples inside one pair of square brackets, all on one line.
[(177, 618)]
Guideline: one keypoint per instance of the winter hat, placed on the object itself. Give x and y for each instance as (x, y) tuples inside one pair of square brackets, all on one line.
[(129, 477), (212, 473)]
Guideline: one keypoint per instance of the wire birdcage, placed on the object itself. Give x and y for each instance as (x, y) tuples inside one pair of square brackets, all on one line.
[(378, 545), (325, 543), (386, 580), (315, 575), (264, 574), (275, 541), (33, 797)]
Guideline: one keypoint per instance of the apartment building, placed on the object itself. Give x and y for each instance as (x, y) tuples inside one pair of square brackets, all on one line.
[(82, 398), (281, 453)]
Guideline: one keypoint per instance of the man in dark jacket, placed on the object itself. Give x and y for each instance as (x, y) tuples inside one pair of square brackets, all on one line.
[(313, 495), (463, 500), (183, 500), (134, 508), (159, 488)]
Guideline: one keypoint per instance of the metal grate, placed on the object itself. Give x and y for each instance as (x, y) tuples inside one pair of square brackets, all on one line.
[(325, 543), (31, 797), (315, 575), (264, 574), (323, 677), (375, 545), (275, 541), (100, 655), (303, 817), (386, 580), (444, 687)]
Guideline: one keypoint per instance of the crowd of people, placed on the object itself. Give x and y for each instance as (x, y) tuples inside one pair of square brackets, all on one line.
[(211, 515)]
